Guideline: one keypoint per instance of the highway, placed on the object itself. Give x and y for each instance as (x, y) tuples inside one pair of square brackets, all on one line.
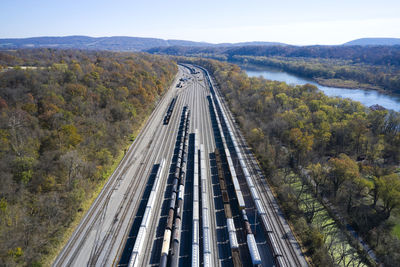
[(128, 222)]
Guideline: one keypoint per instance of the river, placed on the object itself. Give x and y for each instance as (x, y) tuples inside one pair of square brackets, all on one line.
[(366, 97)]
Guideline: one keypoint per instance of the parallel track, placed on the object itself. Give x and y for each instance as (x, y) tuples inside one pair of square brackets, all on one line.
[(102, 233), (289, 246)]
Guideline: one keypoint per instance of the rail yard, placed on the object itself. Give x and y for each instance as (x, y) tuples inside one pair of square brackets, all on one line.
[(187, 193)]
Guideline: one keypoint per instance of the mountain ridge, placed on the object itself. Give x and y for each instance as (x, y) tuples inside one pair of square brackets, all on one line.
[(122, 43), (374, 41), (128, 43)]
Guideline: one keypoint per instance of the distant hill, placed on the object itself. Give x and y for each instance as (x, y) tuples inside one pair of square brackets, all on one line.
[(250, 44), (374, 41), (116, 43), (85, 42), (126, 43)]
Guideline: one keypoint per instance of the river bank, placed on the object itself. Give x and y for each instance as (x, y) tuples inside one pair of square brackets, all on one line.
[(368, 97), (339, 83)]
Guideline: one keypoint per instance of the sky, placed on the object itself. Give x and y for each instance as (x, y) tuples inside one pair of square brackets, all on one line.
[(298, 22)]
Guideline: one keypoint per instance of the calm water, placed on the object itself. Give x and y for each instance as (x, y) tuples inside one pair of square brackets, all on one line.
[(366, 97)]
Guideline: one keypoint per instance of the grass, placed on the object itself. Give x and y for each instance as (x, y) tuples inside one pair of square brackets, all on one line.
[(396, 230)]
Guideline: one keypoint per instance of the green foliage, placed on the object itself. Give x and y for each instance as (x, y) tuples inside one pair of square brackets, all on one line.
[(3, 205), (23, 169), (396, 230), (389, 187), (343, 168), (68, 136), (15, 253)]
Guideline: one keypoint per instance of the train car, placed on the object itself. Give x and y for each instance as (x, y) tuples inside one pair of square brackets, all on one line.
[(195, 255), (228, 211), (195, 233), (247, 228), (240, 199), (232, 234), (134, 258), (254, 253), (165, 247), (196, 192), (234, 245), (169, 111), (260, 208), (181, 192), (207, 259), (144, 224), (137, 248), (205, 217), (236, 259), (206, 240), (146, 217), (170, 219)]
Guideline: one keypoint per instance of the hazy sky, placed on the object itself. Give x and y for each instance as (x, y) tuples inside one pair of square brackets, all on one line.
[(290, 21)]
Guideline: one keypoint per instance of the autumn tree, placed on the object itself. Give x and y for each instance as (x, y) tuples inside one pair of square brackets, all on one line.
[(342, 169), (389, 190)]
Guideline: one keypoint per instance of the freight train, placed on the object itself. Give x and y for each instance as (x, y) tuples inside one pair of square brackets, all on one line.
[(228, 213), (171, 241), (169, 111), (217, 106), (144, 226)]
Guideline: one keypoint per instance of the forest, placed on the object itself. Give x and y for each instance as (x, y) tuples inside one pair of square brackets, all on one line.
[(66, 117), (373, 67), (338, 153)]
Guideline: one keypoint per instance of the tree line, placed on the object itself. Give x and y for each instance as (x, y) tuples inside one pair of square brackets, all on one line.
[(62, 126)]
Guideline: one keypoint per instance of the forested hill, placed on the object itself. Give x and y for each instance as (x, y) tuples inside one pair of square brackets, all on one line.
[(375, 41), (376, 55), (114, 43), (63, 122)]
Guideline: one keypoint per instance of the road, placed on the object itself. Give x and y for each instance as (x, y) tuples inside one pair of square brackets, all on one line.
[(107, 233)]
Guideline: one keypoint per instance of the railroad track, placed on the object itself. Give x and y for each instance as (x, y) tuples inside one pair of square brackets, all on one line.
[(149, 245), (109, 222), (290, 247), (98, 208), (154, 245), (124, 206)]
